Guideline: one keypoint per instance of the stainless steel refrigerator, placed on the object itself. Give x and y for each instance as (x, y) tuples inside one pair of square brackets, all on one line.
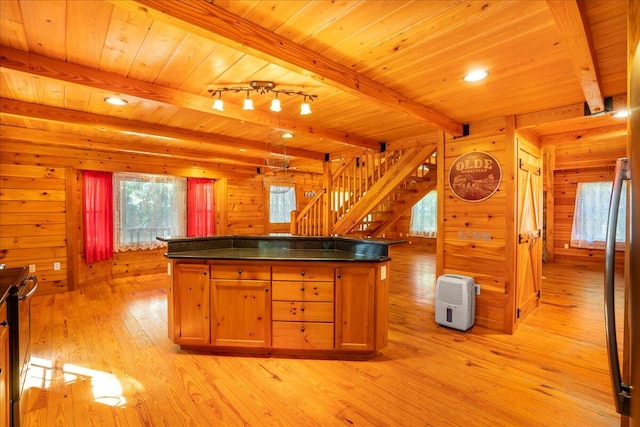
[(626, 394)]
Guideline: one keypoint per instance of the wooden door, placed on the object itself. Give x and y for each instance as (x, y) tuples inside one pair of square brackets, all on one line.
[(192, 294), (355, 308), (529, 229), (241, 313)]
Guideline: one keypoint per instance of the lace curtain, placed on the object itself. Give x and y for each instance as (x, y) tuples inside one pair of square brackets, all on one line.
[(424, 216), (146, 207), (282, 200), (590, 216)]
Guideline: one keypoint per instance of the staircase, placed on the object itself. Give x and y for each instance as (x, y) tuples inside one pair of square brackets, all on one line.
[(367, 194)]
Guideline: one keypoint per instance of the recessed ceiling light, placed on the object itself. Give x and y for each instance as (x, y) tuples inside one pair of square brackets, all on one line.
[(114, 100), (475, 75), (286, 135), (621, 114)]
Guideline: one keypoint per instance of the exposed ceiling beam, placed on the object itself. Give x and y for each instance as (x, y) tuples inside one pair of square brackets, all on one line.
[(224, 27), (42, 66), (585, 135), (571, 20), (116, 124), (168, 150), (566, 112)]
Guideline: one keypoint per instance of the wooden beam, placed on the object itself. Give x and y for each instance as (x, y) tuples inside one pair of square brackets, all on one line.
[(571, 20), (583, 135), (54, 69), (63, 139), (566, 112), (60, 115), (217, 24)]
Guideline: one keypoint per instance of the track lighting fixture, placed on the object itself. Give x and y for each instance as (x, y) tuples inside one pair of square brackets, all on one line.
[(262, 87)]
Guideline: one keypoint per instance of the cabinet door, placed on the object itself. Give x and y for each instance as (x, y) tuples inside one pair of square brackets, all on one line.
[(192, 301), (240, 313), (355, 305)]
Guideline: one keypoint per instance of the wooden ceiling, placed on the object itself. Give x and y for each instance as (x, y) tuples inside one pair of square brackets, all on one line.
[(382, 71)]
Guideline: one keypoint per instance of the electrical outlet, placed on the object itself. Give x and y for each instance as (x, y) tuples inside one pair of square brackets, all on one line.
[(56, 266), (32, 268), (566, 246), (477, 289), (168, 269)]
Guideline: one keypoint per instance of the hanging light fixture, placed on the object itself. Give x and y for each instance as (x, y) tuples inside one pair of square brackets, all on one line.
[(263, 87), (305, 108), (275, 105), (248, 103)]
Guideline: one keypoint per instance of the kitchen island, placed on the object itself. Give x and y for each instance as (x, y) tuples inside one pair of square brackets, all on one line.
[(281, 295)]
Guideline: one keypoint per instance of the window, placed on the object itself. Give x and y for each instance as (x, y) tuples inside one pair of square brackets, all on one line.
[(424, 216), (145, 207), (591, 214), (282, 200)]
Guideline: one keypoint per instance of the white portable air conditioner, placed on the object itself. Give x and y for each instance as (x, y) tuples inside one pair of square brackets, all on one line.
[(455, 301)]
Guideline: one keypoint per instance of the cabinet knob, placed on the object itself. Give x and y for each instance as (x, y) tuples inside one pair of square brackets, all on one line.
[(204, 273), (339, 275), (302, 289), (239, 271), (266, 289), (302, 329), (302, 273), (4, 323), (301, 308)]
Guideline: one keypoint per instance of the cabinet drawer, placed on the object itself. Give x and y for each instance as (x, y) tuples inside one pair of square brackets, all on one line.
[(241, 272), (308, 336), (314, 273), (302, 291), (302, 311)]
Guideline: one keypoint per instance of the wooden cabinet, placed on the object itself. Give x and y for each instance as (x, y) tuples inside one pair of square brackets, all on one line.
[(240, 305), (191, 312), (5, 401), (303, 307), (355, 299)]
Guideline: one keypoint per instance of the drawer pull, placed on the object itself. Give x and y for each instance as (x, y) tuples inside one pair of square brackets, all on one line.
[(302, 273), (239, 271), (339, 275), (302, 329), (301, 308), (266, 289), (302, 289)]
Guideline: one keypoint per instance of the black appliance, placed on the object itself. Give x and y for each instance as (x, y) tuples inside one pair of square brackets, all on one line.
[(22, 287)]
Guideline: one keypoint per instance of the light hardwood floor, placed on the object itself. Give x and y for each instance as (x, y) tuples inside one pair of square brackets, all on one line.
[(101, 357)]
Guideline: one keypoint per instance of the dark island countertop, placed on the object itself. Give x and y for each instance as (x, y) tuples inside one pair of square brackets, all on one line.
[(278, 248)]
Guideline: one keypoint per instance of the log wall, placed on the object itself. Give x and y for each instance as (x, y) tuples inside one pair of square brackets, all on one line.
[(40, 209), (579, 161)]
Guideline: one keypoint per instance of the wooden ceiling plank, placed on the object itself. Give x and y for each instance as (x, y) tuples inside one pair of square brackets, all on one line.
[(17, 60), (222, 26), (584, 135), (53, 114), (571, 20)]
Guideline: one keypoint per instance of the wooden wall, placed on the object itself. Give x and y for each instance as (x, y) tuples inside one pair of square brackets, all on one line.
[(574, 162), (473, 237), (40, 209)]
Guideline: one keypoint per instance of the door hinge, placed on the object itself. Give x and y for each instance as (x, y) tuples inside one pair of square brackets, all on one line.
[(518, 314), (538, 294)]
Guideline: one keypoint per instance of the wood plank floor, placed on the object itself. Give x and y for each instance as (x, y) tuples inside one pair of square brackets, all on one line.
[(101, 357)]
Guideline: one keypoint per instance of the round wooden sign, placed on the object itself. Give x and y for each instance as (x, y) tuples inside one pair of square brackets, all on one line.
[(475, 176)]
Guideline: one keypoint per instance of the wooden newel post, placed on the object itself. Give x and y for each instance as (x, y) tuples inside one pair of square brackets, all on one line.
[(293, 225)]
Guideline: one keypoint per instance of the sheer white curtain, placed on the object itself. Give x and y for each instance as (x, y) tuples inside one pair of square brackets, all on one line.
[(282, 200), (590, 216), (146, 207), (424, 216)]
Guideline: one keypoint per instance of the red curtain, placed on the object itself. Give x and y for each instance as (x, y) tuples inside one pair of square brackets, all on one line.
[(200, 207), (97, 211)]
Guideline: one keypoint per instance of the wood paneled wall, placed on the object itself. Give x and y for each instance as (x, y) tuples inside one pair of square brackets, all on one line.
[(472, 237), (579, 161), (40, 209)]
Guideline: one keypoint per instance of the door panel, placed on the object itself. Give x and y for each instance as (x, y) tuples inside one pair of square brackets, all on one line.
[(529, 229)]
